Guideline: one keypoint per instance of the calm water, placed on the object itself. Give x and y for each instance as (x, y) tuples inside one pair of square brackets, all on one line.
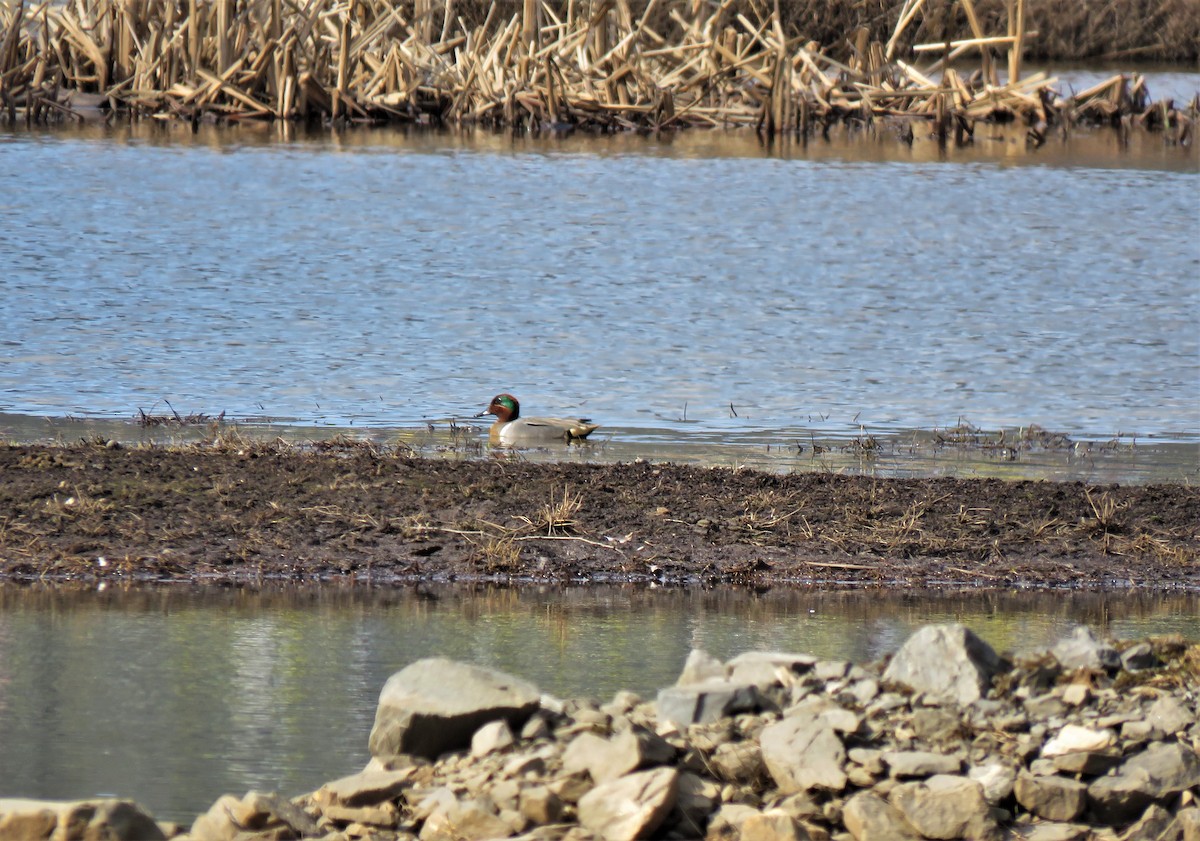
[(678, 290), (175, 697)]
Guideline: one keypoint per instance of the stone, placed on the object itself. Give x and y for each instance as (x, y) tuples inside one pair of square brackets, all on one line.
[(1150, 827), (258, 810), (702, 703), (947, 662), (1089, 763), (738, 762), (365, 788), (868, 817), (802, 753), (1081, 650), (695, 799), (773, 825), (700, 667), (833, 714), (1073, 739), (630, 807), (1170, 716), (919, 763), (1056, 832), (541, 805), (945, 807), (384, 815), (1185, 827), (464, 820), (1052, 798), (435, 705), (997, 779), (607, 759), (935, 724), (726, 822), (104, 819), (1139, 657), (1162, 770), (768, 668), (1076, 694), (491, 737), (217, 824)]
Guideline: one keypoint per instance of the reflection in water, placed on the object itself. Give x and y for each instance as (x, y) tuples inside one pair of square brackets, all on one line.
[(177, 696)]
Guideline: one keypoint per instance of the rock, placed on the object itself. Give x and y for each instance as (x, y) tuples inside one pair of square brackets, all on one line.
[(1150, 827), (607, 759), (1163, 769), (821, 708), (630, 807), (802, 753), (464, 820), (726, 822), (1076, 694), (1052, 798), (436, 705), (945, 807), (935, 724), (997, 779), (947, 662), (1170, 716), (1090, 763), (700, 667), (264, 811), (695, 799), (493, 736), (384, 815), (738, 762), (1185, 827), (767, 668), (868, 817), (773, 825), (1056, 832), (541, 805), (1081, 650), (701, 703), (1138, 657), (365, 788), (1073, 739), (919, 763), (104, 819)]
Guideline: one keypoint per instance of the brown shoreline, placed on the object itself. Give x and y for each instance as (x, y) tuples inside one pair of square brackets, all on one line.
[(234, 510)]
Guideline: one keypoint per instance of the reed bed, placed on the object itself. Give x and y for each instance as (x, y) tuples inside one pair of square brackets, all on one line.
[(591, 64)]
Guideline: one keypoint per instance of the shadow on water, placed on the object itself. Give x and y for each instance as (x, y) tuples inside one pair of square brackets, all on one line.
[(175, 696)]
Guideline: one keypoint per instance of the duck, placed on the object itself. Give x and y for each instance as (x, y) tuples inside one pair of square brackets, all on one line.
[(510, 429)]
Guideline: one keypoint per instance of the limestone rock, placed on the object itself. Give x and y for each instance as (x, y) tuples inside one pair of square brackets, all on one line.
[(436, 705), (700, 703), (108, 819), (700, 667), (945, 807), (1138, 657), (773, 825), (493, 736), (1163, 769), (738, 762), (1073, 739), (607, 759), (802, 753), (1170, 716), (767, 668), (1052, 798), (919, 763), (465, 820), (1081, 650), (947, 662), (868, 817), (365, 788), (630, 807), (1185, 827), (997, 779)]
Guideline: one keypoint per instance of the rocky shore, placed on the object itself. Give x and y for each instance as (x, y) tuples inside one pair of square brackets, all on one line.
[(946, 739)]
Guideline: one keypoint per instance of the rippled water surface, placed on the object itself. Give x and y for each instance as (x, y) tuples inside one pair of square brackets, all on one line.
[(674, 289), (175, 697)]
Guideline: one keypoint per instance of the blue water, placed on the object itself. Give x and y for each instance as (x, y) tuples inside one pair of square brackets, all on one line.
[(706, 284)]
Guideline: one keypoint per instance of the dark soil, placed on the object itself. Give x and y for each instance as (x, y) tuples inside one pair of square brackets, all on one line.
[(238, 510)]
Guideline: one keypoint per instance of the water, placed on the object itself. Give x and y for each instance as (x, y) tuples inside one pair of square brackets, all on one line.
[(176, 696), (681, 289)]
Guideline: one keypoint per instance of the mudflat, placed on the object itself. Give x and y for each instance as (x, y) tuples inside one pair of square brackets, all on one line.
[(236, 510)]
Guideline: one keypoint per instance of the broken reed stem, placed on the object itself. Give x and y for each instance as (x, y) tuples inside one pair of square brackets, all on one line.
[(680, 63)]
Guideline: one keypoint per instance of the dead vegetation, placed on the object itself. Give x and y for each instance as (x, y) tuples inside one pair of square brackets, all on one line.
[(227, 507), (789, 69)]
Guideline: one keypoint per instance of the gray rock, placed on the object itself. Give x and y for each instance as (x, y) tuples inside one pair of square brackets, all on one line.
[(997, 779), (1138, 657), (630, 807), (1150, 826), (919, 763), (1052, 798), (1170, 716), (701, 703), (540, 805), (1185, 827), (773, 825), (945, 807), (465, 820), (491, 737), (803, 753), (868, 817), (738, 762), (1081, 650), (700, 667), (695, 799), (365, 788), (947, 662), (102, 818), (607, 759), (436, 705), (768, 668), (1162, 770), (1057, 832), (826, 710)]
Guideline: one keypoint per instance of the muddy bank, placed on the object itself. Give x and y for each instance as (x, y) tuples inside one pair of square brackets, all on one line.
[(238, 510)]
